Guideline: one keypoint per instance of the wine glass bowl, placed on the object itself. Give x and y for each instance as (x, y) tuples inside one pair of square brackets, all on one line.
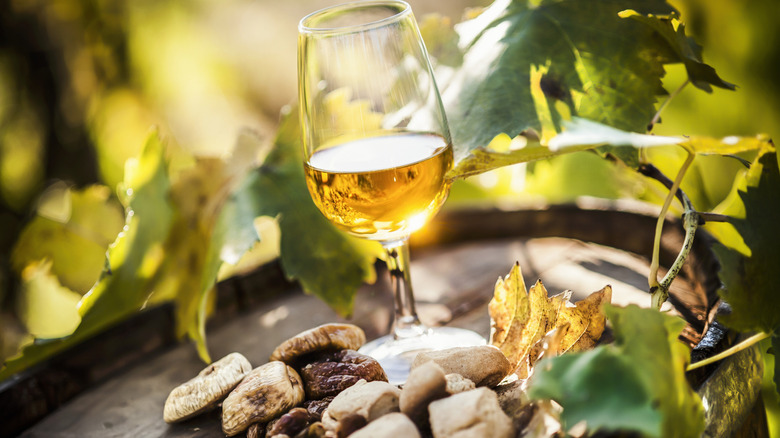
[(383, 187), (377, 148)]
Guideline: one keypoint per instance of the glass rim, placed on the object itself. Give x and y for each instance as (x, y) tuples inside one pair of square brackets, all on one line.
[(403, 9)]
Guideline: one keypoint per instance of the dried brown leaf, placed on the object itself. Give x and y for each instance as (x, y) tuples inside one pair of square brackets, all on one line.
[(509, 305), (527, 325), (591, 309)]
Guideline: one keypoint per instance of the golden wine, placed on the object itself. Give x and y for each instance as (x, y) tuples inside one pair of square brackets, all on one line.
[(381, 188)]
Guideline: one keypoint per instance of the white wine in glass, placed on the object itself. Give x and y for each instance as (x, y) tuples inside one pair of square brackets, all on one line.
[(377, 148)]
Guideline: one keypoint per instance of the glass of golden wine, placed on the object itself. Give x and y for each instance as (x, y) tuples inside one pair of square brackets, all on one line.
[(377, 148)]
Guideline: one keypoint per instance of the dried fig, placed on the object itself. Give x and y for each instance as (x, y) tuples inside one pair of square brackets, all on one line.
[(317, 407), (327, 337), (207, 389), (265, 393), (330, 373)]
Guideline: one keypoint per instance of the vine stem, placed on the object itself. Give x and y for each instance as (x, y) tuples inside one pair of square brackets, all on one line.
[(674, 93), (747, 343), (714, 217), (659, 295), (690, 223)]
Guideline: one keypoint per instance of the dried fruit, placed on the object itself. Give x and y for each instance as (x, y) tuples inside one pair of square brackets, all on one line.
[(207, 389), (330, 373), (291, 423), (327, 337), (266, 392), (317, 407)]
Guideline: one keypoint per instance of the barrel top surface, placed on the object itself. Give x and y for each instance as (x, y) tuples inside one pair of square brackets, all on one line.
[(453, 284)]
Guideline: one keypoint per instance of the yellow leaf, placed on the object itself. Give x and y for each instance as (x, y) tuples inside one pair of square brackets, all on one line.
[(586, 320), (508, 306), (526, 326), (47, 308)]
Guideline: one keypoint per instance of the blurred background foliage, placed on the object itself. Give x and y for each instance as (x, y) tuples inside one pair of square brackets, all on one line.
[(82, 82)]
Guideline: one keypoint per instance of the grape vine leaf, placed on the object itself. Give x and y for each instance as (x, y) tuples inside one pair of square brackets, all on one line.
[(749, 287), (125, 283), (209, 228), (47, 309), (70, 221), (326, 262), (528, 66), (639, 380), (137, 252), (520, 321), (177, 234), (579, 132), (504, 151), (670, 28)]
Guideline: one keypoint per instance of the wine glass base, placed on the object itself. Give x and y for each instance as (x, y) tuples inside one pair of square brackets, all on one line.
[(396, 355)]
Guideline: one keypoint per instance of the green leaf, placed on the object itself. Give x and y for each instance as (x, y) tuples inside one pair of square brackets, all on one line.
[(212, 224), (581, 132), (132, 261), (529, 65), (727, 145), (73, 228), (750, 289), (670, 28), (639, 381), (177, 235), (327, 262), (135, 256), (47, 309), (623, 401), (504, 151)]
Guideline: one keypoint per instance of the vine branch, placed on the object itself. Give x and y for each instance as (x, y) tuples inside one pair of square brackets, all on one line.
[(660, 291), (653, 172), (747, 343)]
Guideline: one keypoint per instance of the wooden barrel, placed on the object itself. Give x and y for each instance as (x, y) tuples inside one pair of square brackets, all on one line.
[(101, 390)]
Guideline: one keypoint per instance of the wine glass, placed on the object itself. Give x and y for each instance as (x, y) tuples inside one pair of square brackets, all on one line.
[(376, 148)]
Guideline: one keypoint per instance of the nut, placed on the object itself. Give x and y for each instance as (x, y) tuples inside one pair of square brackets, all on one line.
[(425, 384), (332, 372), (393, 425), (484, 365), (327, 337), (265, 393), (470, 414), (348, 424), (457, 383), (207, 389), (369, 400)]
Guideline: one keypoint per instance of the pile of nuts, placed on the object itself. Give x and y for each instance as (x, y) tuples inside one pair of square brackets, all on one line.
[(317, 385)]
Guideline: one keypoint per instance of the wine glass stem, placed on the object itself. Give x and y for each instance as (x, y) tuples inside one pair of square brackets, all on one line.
[(406, 323)]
